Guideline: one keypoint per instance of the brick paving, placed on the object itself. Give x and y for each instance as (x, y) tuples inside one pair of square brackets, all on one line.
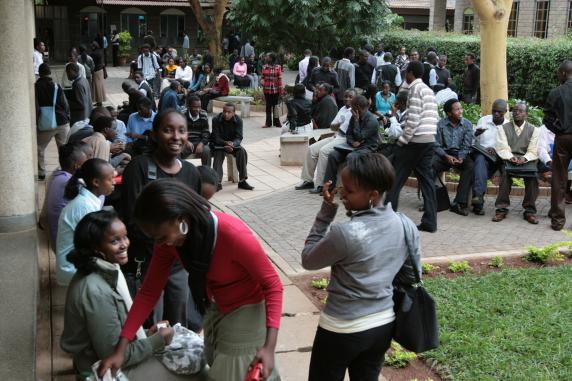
[(284, 218)]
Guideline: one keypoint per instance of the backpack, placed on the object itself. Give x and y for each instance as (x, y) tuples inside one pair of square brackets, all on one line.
[(47, 118)]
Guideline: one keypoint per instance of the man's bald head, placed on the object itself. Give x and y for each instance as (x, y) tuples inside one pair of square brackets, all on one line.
[(499, 109), (565, 71)]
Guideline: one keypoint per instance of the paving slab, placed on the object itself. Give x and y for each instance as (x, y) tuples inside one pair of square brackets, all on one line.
[(293, 365), (297, 333), (295, 302)]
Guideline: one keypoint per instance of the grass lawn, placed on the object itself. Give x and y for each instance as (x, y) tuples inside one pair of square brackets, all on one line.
[(512, 325)]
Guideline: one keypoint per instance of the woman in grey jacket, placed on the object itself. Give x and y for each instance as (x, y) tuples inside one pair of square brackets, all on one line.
[(365, 254)]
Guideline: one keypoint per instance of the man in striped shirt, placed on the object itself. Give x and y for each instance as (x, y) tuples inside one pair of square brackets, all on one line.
[(415, 147)]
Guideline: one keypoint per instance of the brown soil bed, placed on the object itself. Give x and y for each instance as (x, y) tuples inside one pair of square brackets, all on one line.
[(418, 368)]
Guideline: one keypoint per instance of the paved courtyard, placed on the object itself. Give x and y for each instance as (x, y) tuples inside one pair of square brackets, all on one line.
[(281, 217)]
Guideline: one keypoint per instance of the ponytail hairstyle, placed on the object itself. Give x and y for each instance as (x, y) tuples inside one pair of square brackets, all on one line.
[(87, 237), (165, 200), (90, 170)]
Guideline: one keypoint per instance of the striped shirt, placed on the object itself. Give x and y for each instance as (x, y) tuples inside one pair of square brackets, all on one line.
[(422, 116), (271, 79)]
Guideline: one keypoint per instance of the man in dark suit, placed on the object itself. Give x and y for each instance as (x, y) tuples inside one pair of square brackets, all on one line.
[(80, 95)]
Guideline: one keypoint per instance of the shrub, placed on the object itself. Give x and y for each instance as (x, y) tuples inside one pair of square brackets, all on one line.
[(320, 284), (497, 262), (460, 267), (518, 182), (426, 268), (124, 44), (398, 357), (543, 255), (531, 63)]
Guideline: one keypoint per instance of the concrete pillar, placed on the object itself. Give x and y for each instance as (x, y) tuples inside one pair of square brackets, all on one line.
[(17, 119), (437, 15)]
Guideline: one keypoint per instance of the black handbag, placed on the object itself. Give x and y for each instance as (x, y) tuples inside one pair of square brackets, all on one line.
[(416, 327), (442, 196)]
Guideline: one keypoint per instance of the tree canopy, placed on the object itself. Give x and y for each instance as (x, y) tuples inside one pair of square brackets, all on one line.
[(316, 24)]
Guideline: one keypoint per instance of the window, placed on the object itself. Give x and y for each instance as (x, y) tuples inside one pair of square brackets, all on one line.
[(172, 27), (468, 21), (570, 15), (513, 20), (541, 18), (134, 21)]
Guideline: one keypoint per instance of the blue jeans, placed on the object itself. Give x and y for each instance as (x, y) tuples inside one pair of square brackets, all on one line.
[(484, 170)]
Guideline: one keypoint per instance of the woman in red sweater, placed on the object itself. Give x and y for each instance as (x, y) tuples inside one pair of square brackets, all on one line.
[(232, 281)]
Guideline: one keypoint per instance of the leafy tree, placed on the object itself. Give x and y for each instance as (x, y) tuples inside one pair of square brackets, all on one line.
[(211, 25), (316, 24)]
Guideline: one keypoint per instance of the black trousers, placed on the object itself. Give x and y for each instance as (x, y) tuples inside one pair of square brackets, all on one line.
[(206, 98), (114, 54), (335, 159), (416, 157), (530, 194), (362, 353), (467, 176), (271, 109), (241, 158)]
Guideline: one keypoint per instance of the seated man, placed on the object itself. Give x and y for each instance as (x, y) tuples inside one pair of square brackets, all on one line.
[(219, 89), (71, 156), (170, 97), (394, 127), (140, 122), (452, 144), (299, 112), (486, 137), (324, 108), (517, 144), (362, 137), (226, 138), (545, 152), (144, 87), (184, 73), (198, 130), (317, 154), (100, 143)]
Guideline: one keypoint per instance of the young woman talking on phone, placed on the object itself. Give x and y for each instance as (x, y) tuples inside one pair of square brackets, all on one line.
[(232, 281), (365, 254)]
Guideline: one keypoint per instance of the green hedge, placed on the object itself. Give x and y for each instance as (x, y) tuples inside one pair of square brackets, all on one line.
[(531, 63)]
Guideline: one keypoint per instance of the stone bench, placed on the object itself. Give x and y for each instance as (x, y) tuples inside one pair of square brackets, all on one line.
[(231, 168), (243, 100), (293, 146)]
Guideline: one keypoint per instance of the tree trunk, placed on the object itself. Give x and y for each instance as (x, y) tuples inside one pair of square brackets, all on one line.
[(212, 31), (493, 15)]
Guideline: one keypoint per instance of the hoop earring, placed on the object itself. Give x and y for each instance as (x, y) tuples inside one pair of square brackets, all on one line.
[(371, 204), (184, 227)]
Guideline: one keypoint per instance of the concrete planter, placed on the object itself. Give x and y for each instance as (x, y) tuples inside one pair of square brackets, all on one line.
[(253, 108), (491, 190)]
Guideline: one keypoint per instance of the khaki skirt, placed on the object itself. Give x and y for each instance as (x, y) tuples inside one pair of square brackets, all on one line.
[(231, 341), (98, 87)]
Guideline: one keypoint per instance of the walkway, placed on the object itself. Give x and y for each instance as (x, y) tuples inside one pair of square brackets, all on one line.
[(281, 217)]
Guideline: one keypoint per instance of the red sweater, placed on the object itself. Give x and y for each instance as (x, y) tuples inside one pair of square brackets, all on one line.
[(240, 273)]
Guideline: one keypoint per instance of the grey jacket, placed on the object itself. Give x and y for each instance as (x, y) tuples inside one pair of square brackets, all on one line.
[(365, 254), (93, 318)]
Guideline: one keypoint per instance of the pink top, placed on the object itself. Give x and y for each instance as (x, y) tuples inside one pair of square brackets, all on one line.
[(240, 273), (239, 69)]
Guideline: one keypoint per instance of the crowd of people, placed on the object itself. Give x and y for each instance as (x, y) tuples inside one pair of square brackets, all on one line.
[(161, 254)]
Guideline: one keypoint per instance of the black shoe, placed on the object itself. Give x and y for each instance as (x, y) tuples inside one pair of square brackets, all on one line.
[(478, 211), (218, 187), (244, 185), (425, 228), (317, 190), (305, 185), (41, 177), (460, 210)]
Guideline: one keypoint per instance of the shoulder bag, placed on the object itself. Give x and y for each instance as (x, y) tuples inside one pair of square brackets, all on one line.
[(416, 327), (47, 117)]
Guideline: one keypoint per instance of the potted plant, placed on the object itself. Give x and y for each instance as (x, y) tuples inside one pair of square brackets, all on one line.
[(124, 47)]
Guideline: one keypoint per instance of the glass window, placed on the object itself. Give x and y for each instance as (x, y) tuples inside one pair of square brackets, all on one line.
[(136, 25), (468, 21), (172, 27), (541, 18), (513, 20)]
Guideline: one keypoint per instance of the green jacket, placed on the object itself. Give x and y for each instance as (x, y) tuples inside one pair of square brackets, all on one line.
[(93, 317)]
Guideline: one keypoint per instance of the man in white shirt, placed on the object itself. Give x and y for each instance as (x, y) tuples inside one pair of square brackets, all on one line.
[(486, 136), (184, 73), (387, 71), (303, 65), (147, 63), (39, 49), (317, 154), (517, 144)]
